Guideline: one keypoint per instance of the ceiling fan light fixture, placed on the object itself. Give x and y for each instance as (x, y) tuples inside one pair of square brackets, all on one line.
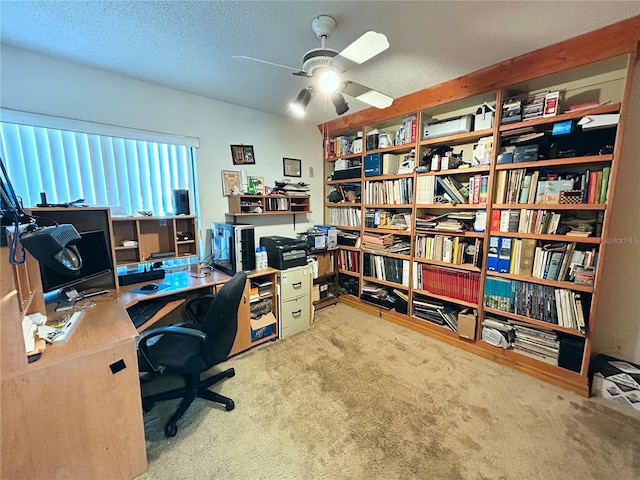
[(299, 105), (328, 80), (339, 102)]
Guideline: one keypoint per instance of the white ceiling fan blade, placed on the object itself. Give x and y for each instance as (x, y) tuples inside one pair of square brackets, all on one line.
[(367, 95), (367, 46), (297, 71)]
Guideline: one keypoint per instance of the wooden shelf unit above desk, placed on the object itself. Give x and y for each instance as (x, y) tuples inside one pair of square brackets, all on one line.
[(153, 234), (268, 204)]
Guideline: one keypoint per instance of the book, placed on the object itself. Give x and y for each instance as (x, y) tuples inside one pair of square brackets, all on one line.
[(606, 171), (527, 254), (492, 254), (504, 255)]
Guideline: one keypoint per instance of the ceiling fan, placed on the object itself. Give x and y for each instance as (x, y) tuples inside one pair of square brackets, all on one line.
[(326, 67)]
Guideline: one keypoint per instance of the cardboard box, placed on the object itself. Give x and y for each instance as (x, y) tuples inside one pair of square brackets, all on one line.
[(263, 326), (467, 324), (615, 380), (331, 232), (325, 264)]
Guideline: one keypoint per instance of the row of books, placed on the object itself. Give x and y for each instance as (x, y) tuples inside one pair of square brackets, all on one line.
[(551, 261), (448, 282), (349, 260), (408, 130), (273, 203), (546, 187), (430, 188), (546, 222), (455, 250), (557, 306), (336, 147), (435, 312), (392, 192), (344, 216), (390, 269)]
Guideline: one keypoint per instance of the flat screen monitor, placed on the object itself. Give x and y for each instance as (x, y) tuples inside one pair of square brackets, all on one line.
[(96, 261)]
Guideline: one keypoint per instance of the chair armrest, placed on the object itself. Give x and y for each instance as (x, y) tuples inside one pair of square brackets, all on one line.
[(190, 306), (143, 346)]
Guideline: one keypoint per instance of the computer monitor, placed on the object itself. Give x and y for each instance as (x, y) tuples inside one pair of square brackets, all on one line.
[(96, 261)]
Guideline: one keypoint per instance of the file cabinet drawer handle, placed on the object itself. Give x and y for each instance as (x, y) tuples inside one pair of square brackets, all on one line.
[(296, 313), (296, 285)]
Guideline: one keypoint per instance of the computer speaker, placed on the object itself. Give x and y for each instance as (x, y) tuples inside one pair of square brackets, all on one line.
[(181, 202)]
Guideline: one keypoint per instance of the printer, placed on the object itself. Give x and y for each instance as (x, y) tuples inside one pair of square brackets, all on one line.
[(283, 253)]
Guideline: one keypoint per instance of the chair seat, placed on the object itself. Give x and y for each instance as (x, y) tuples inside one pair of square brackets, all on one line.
[(178, 354)]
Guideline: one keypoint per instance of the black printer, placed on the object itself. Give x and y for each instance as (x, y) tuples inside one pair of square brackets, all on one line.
[(284, 253)]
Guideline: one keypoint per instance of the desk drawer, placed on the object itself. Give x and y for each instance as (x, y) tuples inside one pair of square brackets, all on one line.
[(294, 315), (294, 282)]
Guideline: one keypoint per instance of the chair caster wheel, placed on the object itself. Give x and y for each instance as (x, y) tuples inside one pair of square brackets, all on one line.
[(170, 430), (230, 406), (232, 373)]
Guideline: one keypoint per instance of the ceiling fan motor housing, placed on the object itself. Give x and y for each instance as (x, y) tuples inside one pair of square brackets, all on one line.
[(318, 57)]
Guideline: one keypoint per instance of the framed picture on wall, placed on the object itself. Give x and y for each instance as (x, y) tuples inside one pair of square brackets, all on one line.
[(292, 167), (243, 155)]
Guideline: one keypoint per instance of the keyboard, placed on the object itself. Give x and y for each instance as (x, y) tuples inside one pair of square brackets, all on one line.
[(141, 312)]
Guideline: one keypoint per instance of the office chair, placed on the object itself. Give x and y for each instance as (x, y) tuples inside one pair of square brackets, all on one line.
[(191, 348)]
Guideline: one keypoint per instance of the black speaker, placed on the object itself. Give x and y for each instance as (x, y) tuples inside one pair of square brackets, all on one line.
[(181, 202)]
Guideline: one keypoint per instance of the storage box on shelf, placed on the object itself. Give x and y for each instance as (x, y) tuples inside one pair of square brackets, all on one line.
[(523, 168)]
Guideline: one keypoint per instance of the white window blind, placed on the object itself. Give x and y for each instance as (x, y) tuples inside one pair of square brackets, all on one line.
[(103, 170)]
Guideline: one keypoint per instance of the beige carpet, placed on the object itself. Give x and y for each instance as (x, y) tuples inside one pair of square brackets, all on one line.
[(356, 397)]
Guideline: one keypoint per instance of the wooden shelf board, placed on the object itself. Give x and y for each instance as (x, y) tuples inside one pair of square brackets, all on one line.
[(348, 247), (343, 204), (454, 234), (556, 162), (550, 206), (389, 206), (344, 227), (541, 281), (405, 147), (325, 302), (453, 206), (440, 263), (396, 176), (542, 236), (614, 108), (345, 180), (445, 298), (458, 138), (344, 157), (384, 230), (385, 282), (533, 321), (349, 272), (456, 171)]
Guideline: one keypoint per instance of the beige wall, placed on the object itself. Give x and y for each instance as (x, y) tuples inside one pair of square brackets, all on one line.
[(618, 320), (41, 84)]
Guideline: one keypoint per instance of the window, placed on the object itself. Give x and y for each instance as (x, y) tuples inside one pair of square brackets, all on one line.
[(104, 170)]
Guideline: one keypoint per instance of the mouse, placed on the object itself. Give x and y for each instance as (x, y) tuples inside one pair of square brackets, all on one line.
[(149, 286)]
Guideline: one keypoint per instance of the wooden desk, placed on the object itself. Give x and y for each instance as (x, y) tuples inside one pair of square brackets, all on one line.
[(76, 412)]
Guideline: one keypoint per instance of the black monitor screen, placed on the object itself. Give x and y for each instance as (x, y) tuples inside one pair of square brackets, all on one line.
[(96, 260)]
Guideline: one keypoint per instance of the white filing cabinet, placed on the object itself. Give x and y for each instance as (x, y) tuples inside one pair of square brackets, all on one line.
[(294, 296)]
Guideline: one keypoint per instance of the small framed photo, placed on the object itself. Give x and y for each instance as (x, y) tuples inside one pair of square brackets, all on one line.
[(292, 167), (231, 182), (243, 155)]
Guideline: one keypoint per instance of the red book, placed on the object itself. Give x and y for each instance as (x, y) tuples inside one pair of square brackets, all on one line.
[(414, 126), (593, 180), (495, 221)]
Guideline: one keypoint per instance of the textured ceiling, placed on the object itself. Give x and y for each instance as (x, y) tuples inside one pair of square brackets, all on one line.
[(188, 45)]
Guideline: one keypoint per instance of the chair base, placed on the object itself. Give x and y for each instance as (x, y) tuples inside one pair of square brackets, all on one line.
[(194, 387)]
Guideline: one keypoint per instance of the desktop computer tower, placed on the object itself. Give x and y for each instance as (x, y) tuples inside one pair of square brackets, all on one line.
[(233, 247), (181, 202)]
